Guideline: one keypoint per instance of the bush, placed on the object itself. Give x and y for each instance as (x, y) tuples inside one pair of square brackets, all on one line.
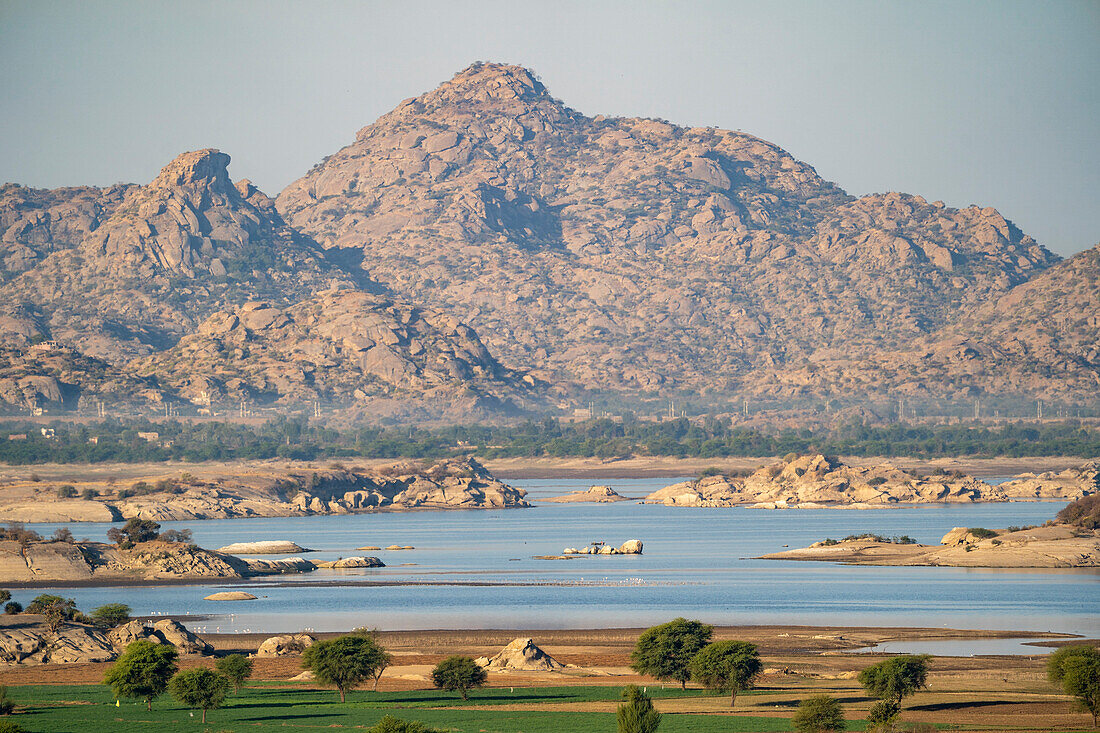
[(1083, 513), (66, 491), (818, 714), (134, 531), (111, 615), (390, 724), (62, 534), (10, 726), (458, 673), (236, 667), (884, 712), (6, 705), (13, 608), (981, 532), (88, 494), (877, 481), (636, 714), (175, 535)]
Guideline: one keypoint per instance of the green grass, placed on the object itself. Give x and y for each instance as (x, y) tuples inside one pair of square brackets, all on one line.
[(91, 709)]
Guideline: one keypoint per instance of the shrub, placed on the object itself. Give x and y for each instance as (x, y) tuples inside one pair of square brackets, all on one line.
[(13, 608), (981, 532), (66, 491), (88, 494), (111, 615), (818, 714), (877, 481), (199, 688), (236, 667), (636, 714), (390, 724), (62, 534), (175, 535), (458, 673), (10, 726), (884, 712), (1083, 513), (6, 705)]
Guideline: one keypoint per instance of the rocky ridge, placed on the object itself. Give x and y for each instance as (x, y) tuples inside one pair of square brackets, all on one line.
[(593, 494), (632, 254), (279, 491), (339, 345), (78, 643), (815, 480)]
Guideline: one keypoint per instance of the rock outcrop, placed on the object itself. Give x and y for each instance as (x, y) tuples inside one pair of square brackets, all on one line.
[(594, 495), (285, 646), (273, 491), (352, 562), (630, 547), (263, 547), (521, 655), (814, 480), (636, 255), (1056, 546), (230, 595), (348, 345), (77, 643), (1072, 483)]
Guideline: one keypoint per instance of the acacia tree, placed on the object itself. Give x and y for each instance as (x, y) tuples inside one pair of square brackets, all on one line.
[(346, 661), (896, 678), (818, 714), (458, 673), (1076, 669), (665, 651), (111, 615), (636, 714), (200, 688), (727, 666), (143, 671), (236, 667)]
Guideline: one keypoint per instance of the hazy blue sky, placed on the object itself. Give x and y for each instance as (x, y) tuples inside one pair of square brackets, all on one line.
[(995, 103)]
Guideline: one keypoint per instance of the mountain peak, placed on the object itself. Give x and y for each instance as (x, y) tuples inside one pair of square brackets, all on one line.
[(207, 166), (502, 81)]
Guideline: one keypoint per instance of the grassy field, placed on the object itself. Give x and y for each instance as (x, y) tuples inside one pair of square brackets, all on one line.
[(91, 708)]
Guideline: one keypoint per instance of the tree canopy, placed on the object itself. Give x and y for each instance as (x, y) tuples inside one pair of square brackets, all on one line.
[(1076, 669), (143, 671), (346, 661), (730, 666), (665, 651), (896, 678), (458, 673), (200, 689), (818, 714), (236, 667)]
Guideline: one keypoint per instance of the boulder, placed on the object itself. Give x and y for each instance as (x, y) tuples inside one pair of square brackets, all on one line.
[(285, 646), (631, 547), (230, 595), (353, 562), (523, 655), (69, 645), (174, 633), (280, 567), (266, 547)]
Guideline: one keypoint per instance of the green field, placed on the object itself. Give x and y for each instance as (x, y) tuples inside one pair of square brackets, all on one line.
[(91, 709)]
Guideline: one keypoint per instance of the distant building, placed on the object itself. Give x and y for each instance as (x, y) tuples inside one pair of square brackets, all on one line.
[(48, 433), (17, 436), (149, 437), (94, 440)]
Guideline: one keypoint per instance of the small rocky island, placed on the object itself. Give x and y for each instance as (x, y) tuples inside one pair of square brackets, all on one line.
[(1072, 540), (140, 554), (591, 495), (813, 481), (264, 490)]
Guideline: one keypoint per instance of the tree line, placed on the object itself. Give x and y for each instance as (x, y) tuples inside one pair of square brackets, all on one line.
[(298, 438)]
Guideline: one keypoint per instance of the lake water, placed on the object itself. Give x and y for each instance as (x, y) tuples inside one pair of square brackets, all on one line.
[(475, 569)]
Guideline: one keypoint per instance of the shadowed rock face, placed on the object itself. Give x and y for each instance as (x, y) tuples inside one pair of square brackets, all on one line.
[(336, 345), (634, 254), (129, 270)]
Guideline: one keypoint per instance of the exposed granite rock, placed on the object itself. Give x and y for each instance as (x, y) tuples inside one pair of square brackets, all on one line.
[(284, 646), (264, 547), (1056, 546), (1073, 483), (230, 595), (353, 562), (594, 494), (636, 255), (70, 644), (345, 346), (630, 547), (819, 480)]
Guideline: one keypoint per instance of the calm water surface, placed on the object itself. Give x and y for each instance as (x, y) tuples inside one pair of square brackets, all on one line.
[(475, 569)]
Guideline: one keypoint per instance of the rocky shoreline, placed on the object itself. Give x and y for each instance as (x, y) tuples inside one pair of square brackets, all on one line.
[(815, 481), (258, 491)]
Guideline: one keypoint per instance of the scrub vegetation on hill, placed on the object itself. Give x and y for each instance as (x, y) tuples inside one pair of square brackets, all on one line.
[(296, 438)]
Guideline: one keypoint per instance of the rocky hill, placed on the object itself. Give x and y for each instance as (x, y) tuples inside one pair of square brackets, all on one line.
[(140, 265), (816, 480), (338, 345), (632, 254)]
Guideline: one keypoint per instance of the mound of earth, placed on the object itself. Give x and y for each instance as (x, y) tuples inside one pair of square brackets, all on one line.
[(520, 655)]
